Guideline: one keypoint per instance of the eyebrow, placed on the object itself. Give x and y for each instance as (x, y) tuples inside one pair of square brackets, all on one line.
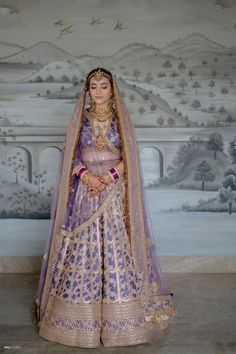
[(102, 83)]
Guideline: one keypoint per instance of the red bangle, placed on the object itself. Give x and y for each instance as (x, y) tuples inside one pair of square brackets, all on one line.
[(81, 171), (114, 173)]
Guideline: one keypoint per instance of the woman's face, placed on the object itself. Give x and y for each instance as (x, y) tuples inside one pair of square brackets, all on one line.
[(100, 91)]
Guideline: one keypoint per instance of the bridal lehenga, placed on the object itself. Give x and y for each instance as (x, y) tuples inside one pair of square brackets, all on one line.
[(100, 277)]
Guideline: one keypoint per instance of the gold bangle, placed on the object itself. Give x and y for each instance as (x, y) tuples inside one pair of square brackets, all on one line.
[(85, 176), (106, 177), (118, 170)]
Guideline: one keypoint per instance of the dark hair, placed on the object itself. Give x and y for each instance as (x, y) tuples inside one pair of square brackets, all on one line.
[(93, 71)]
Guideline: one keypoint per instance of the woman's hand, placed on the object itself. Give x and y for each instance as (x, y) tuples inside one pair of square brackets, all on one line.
[(96, 185)]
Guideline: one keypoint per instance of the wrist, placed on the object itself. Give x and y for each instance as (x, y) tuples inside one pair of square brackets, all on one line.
[(81, 171), (85, 176), (107, 177), (77, 170), (115, 173)]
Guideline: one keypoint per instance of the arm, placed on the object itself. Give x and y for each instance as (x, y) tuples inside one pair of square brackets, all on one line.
[(114, 173), (78, 166), (81, 171)]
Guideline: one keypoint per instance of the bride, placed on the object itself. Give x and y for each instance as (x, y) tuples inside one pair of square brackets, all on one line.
[(100, 276)]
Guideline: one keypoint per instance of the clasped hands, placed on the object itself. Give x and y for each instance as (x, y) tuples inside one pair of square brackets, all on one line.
[(95, 185)]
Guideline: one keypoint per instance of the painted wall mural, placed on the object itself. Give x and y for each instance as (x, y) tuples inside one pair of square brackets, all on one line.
[(175, 63)]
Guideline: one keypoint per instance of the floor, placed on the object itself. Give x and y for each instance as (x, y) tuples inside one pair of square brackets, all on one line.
[(205, 322)]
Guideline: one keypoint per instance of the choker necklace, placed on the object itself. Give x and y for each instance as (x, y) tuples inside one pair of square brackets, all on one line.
[(101, 113)]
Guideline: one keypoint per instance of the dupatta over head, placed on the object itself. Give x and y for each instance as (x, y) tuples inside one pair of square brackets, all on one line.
[(138, 220)]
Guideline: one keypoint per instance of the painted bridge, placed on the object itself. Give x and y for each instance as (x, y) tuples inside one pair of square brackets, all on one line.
[(33, 141)]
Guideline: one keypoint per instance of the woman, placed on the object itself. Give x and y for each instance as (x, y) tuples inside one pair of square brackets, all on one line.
[(100, 278)]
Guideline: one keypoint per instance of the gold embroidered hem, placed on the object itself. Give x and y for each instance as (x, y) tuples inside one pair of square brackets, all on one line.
[(85, 324)]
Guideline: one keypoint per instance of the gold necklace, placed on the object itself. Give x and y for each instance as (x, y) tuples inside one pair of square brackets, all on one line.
[(100, 131), (101, 113)]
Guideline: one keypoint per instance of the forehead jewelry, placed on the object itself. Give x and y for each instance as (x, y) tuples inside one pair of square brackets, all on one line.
[(98, 75)]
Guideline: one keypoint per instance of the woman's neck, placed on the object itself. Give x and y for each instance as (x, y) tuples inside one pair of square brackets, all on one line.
[(102, 108)]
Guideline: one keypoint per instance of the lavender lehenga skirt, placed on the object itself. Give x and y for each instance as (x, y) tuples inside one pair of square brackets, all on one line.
[(94, 295)]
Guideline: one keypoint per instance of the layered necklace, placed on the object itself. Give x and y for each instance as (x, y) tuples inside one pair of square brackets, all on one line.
[(101, 124)]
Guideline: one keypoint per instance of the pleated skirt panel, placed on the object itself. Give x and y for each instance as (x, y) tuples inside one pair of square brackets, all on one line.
[(94, 295)]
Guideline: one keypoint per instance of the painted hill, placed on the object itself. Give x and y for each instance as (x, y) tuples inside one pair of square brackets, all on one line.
[(40, 53), (136, 50), (8, 49), (56, 69), (193, 44), (154, 106), (218, 166), (133, 56)]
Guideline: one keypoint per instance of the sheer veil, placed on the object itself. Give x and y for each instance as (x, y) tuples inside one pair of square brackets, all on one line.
[(138, 215)]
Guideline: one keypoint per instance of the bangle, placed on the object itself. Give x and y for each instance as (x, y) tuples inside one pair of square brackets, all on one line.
[(81, 171), (78, 169), (118, 171), (107, 177), (85, 176), (115, 173)]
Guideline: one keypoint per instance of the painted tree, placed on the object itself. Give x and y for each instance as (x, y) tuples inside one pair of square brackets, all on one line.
[(196, 86), (183, 83), (174, 74), (211, 84), (224, 91), (136, 74), (212, 108), (196, 104), (171, 121), (196, 141), (167, 64), (50, 78), (191, 74), (146, 97), (153, 107), (227, 192), (181, 67), (65, 78), (148, 78), (230, 171), (161, 74), (176, 172), (215, 143), (213, 73), (15, 162), (38, 79), (141, 110), (39, 179), (24, 201), (232, 150), (203, 172), (229, 119), (160, 121), (222, 109)]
